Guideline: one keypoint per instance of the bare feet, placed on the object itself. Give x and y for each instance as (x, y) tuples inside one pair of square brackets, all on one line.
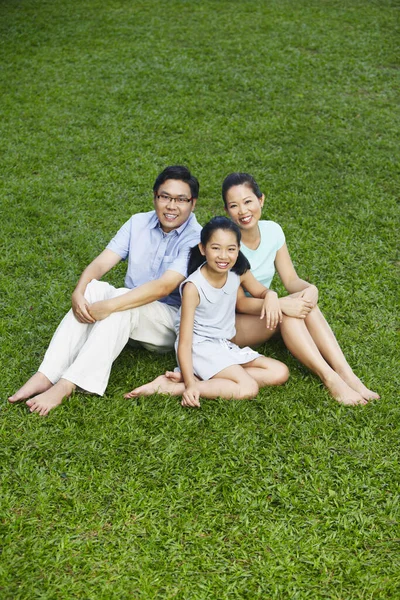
[(175, 376), (35, 385), (160, 385), (343, 393), (43, 403), (356, 384)]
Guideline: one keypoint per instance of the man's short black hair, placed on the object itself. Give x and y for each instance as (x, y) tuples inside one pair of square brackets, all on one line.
[(182, 174)]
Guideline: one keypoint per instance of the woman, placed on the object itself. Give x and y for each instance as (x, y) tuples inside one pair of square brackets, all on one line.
[(303, 327)]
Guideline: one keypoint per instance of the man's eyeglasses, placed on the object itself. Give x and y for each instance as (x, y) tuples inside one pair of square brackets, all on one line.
[(165, 199)]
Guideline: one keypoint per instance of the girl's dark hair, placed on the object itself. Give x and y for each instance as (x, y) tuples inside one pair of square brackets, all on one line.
[(196, 258), (239, 179)]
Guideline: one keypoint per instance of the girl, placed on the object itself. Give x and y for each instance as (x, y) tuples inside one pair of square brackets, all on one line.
[(303, 327), (211, 366)]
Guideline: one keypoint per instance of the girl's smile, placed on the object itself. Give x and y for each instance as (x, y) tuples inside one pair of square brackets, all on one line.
[(221, 251)]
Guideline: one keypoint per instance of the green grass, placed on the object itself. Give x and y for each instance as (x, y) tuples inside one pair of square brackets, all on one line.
[(289, 496)]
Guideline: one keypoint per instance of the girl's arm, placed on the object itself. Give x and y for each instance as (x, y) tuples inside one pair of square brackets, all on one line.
[(270, 307), (190, 300), (291, 280)]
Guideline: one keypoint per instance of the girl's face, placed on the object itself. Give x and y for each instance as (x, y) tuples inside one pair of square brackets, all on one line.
[(221, 250), (243, 206)]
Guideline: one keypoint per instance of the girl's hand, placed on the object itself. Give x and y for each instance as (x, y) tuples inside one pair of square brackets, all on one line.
[(310, 294), (191, 396), (271, 310), (100, 310), (295, 307)]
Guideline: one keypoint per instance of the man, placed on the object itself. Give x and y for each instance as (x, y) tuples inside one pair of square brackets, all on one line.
[(103, 318)]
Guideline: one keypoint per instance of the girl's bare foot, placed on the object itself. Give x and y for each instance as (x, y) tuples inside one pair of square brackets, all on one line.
[(342, 392), (174, 376), (44, 403), (356, 384), (35, 385), (160, 385)]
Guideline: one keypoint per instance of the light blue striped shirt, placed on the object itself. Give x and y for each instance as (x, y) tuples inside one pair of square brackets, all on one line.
[(150, 251)]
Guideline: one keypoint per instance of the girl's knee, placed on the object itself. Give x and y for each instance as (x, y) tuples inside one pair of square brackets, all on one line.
[(248, 390), (281, 373)]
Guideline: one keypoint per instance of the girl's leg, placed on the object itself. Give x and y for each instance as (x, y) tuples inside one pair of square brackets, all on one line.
[(267, 371), (272, 372), (230, 383), (299, 341), (328, 346)]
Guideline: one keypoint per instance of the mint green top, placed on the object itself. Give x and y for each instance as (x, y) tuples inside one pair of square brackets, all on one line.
[(262, 259)]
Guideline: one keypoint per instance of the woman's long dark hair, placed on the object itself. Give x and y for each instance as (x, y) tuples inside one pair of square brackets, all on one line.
[(234, 179), (196, 258)]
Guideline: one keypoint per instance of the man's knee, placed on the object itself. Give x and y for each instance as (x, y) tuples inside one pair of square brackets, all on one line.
[(98, 290)]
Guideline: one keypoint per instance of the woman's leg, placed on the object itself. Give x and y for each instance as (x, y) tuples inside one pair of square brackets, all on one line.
[(299, 341), (251, 331), (328, 346)]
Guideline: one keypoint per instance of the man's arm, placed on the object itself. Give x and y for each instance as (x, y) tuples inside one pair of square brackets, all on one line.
[(144, 294), (97, 268)]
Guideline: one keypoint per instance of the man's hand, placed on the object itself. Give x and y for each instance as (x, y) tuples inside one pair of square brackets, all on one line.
[(100, 310), (191, 396), (80, 308), (295, 307), (271, 310)]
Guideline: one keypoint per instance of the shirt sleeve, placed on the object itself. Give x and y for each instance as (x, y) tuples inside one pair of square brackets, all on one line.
[(121, 241), (280, 237)]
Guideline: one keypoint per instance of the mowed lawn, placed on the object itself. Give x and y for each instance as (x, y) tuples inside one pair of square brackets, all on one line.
[(289, 496)]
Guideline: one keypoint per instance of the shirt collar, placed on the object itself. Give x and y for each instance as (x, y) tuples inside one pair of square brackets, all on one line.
[(154, 222), (213, 294)]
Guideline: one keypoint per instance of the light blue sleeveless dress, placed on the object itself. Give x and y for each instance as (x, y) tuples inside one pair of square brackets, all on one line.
[(214, 326)]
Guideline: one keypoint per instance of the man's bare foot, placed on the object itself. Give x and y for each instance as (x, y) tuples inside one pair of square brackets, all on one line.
[(356, 384), (342, 392), (43, 403), (35, 385), (160, 385)]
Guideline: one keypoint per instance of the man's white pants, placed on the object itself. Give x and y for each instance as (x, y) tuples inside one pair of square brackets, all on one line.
[(83, 354)]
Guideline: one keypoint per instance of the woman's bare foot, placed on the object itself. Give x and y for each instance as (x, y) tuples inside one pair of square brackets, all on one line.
[(160, 385), (356, 384), (35, 385), (342, 392), (43, 403)]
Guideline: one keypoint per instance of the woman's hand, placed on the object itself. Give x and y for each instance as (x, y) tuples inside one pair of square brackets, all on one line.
[(191, 396), (271, 310), (310, 294), (295, 306), (80, 308), (100, 310)]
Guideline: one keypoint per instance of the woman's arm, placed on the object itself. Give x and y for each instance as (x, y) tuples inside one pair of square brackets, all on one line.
[(190, 300), (291, 280), (270, 307)]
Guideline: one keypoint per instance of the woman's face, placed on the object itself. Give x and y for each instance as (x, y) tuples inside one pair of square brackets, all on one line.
[(243, 206)]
